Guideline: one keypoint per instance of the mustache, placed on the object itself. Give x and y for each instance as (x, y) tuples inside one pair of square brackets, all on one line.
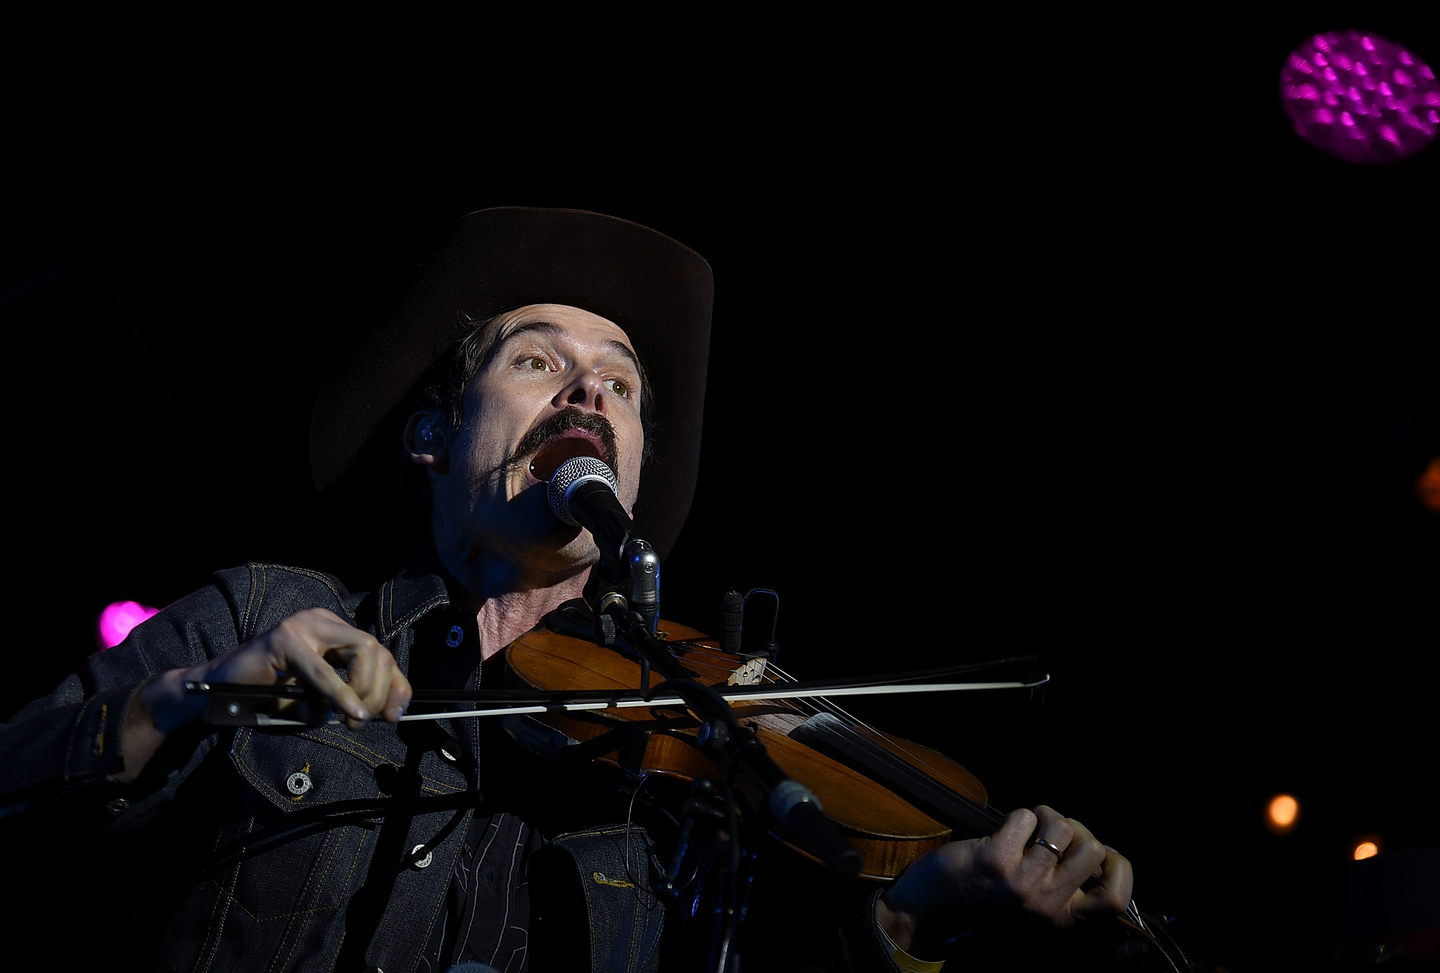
[(566, 419)]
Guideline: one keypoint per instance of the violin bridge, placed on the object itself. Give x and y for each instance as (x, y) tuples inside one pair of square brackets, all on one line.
[(752, 673)]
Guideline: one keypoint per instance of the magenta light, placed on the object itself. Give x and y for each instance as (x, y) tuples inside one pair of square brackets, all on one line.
[(1387, 121), (119, 618)]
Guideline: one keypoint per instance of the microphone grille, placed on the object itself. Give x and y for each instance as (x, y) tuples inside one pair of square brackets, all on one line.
[(570, 474)]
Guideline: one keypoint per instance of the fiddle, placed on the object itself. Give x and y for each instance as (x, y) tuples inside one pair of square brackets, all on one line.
[(888, 831), (893, 799)]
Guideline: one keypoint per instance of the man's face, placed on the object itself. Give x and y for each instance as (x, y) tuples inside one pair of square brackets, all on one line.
[(559, 382)]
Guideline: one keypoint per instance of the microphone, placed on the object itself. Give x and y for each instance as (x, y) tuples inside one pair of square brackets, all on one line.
[(582, 492)]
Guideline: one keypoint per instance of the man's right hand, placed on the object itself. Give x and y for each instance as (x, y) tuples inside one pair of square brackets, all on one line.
[(303, 649)]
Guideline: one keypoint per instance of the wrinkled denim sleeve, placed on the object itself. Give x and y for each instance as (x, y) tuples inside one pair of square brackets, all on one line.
[(72, 738)]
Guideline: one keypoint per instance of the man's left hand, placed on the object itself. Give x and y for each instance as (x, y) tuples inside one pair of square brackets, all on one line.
[(1012, 878)]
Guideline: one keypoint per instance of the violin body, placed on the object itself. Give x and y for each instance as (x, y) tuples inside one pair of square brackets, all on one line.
[(889, 831)]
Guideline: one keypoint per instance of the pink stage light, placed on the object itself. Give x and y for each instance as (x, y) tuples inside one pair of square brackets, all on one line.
[(1390, 94), (118, 618)]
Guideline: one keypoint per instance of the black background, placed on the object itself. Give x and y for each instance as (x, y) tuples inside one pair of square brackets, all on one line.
[(1038, 337)]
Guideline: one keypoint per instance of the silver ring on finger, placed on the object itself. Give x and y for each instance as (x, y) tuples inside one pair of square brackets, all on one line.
[(1051, 847)]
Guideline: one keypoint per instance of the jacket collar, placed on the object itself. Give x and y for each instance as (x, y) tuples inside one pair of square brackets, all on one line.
[(419, 588)]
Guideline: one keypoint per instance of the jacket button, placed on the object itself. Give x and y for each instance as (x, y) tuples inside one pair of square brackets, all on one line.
[(423, 862), (451, 750), (298, 782), (117, 806)]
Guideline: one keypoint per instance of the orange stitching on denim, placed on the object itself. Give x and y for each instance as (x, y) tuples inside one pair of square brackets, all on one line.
[(283, 916), (244, 631), (246, 771), (224, 896), (380, 627), (319, 576), (331, 839), (75, 738), (325, 579), (349, 878), (247, 619), (260, 596), (299, 912), (421, 609), (346, 744), (441, 789)]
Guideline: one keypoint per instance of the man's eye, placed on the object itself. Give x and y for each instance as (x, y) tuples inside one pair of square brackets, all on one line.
[(618, 387), (539, 364)]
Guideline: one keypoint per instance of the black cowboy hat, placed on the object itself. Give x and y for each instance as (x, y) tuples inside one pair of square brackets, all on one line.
[(657, 290)]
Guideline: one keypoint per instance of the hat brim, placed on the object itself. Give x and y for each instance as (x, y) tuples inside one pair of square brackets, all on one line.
[(657, 290)]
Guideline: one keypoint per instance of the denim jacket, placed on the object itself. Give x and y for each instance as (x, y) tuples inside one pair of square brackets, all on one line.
[(322, 849)]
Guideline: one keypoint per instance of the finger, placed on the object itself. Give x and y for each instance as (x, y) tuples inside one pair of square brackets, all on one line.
[(380, 665), (360, 665), (1009, 842), (1048, 844), (308, 642), (368, 667), (375, 678), (1111, 895), (1084, 854), (1084, 859), (1078, 829), (1053, 826), (398, 700), (320, 676), (359, 662)]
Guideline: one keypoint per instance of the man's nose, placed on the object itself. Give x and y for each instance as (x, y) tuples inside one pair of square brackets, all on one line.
[(586, 390)]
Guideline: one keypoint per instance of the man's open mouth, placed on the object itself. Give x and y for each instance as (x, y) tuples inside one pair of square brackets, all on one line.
[(568, 433), (568, 445)]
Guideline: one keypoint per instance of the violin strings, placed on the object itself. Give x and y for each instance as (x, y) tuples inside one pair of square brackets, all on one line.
[(812, 706), (773, 673)]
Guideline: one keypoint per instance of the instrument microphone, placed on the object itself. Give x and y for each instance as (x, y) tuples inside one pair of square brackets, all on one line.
[(582, 492)]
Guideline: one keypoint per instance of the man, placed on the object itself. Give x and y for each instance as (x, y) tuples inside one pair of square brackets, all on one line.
[(419, 845)]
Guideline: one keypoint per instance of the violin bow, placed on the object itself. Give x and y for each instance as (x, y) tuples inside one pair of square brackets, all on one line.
[(236, 704)]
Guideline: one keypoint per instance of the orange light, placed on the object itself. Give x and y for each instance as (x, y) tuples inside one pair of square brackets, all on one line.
[(1427, 488), (1366, 846), (1282, 813)]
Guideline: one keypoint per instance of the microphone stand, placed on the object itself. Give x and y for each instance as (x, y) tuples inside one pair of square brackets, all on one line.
[(613, 615), (582, 491), (744, 771)]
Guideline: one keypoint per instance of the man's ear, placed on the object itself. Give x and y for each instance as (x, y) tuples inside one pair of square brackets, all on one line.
[(427, 439)]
